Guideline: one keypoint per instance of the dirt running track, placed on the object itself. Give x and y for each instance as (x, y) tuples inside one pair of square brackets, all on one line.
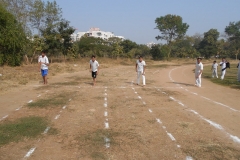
[(167, 119)]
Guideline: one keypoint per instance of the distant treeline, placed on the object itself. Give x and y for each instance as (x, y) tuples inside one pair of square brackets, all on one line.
[(29, 26)]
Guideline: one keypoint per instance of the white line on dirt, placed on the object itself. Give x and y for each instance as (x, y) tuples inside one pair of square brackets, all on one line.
[(64, 107), (155, 71), (3, 117), (144, 103), (235, 110), (57, 116), (139, 97), (189, 158), (107, 142), (46, 130), (105, 113), (18, 108), (30, 152), (158, 120), (105, 99), (30, 101), (106, 125), (150, 110), (105, 104), (171, 136), (215, 125), (69, 100)]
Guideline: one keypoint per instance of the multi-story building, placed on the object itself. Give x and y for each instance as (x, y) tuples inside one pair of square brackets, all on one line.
[(94, 32)]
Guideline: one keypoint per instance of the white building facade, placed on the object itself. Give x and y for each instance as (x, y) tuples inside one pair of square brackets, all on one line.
[(94, 32)]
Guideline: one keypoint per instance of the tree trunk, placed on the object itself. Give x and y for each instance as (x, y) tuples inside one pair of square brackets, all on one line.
[(26, 59), (33, 56)]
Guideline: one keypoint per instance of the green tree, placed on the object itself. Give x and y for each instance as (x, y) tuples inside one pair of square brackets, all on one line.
[(233, 32), (19, 9), (159, 52), (65, 32), (128, 45), (208, 46), (37, 13), (52, 40), (53, 14), (171, 28), (12, 39)]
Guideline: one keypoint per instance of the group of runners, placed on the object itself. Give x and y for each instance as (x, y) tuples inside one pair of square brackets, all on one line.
[(224, 65), (140, 69)]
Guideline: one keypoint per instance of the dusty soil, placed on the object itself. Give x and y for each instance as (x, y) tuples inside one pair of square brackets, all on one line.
[(167, 119)]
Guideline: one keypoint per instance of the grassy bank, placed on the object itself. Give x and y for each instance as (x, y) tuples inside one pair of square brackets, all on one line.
[(230, 78)]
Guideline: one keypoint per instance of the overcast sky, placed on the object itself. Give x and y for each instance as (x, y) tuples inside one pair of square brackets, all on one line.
[(135, 19)]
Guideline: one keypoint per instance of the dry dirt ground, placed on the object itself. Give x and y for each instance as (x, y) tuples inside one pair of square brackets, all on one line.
[(167, 119)]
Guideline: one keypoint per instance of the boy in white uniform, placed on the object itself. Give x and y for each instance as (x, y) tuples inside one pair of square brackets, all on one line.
[(214, 69), (140, 69), (223, 64), (43, 63), (94, 68), (198, 72), (238, 66)]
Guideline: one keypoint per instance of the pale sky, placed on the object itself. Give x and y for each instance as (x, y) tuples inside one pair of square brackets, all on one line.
[(135, 19)]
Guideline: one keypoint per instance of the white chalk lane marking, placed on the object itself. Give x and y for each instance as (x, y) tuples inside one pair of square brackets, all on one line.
[(221, 104), (107, 142), (105, 113), (189, 158), (106, 125), (30, 101), (3, 117), (46, 130), (30, 152), (159, 121), (171, 136), (57, 116)]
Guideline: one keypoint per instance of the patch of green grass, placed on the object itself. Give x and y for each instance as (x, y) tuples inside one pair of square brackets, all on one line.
[(184, 124), (27, 127), (230, 78), (55, 101), (152, 121), (97, 138), (209, 150)]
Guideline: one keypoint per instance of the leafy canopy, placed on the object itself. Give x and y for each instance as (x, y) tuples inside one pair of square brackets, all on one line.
[(171, 27)]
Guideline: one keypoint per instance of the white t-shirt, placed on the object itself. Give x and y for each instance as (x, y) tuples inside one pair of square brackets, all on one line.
[(199, 67), (140, 65), (43, 60), (215, 65), (94, 65), (223, 64)]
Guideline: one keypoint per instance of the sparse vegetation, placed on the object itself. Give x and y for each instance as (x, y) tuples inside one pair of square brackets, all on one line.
[(230, 78), (27, 127), (54, 101)]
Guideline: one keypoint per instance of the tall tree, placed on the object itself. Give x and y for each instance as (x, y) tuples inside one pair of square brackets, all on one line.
[(208, 46), (233, 32), (37, 13), (171, 28), (12, 39), (20, 9), (128, 45), (65, 32), (53, 13)]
